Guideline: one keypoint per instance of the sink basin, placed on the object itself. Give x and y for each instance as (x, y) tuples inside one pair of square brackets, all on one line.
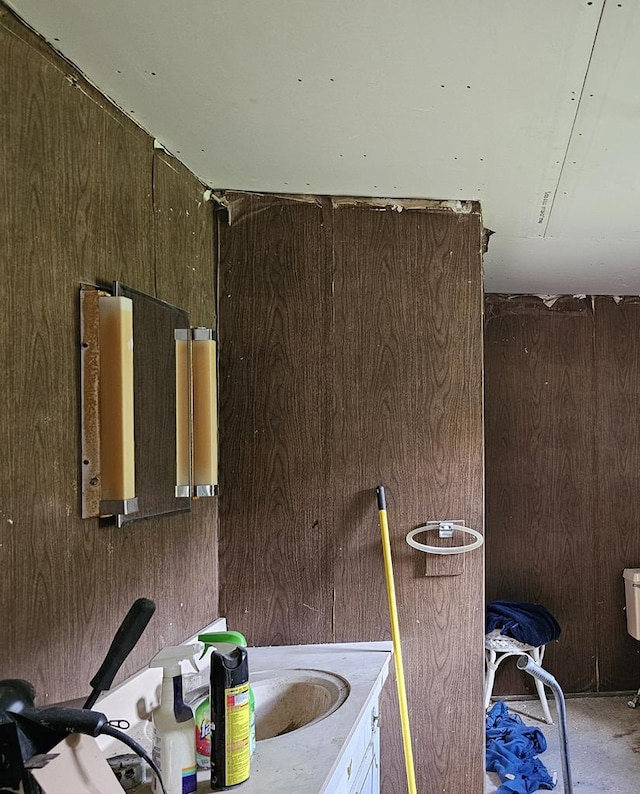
[(287, 700)]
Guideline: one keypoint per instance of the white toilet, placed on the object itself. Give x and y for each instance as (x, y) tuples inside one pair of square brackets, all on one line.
[(632, 598)]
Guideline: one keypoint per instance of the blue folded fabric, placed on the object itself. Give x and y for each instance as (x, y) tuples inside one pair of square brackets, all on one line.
[(512, 749), (528, 623)]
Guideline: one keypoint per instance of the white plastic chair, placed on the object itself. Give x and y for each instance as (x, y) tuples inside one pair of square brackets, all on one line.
[(497, 648)]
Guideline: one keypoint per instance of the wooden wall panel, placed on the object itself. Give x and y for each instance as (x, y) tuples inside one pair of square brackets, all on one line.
[(184, 240), (616, 515), (78, 206), (361, 327), (539, 434), (407, 351), (562, 456), (275, 386)]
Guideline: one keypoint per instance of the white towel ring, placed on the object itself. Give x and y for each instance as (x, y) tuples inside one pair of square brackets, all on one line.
[(479, 540)]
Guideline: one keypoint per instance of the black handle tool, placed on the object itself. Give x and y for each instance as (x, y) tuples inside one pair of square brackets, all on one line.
[(130, 631)]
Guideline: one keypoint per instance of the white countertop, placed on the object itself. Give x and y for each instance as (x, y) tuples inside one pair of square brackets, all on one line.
[(302, 761), (305, 760)]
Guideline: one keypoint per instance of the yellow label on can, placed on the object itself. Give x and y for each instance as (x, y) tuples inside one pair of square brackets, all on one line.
[(237, 719)]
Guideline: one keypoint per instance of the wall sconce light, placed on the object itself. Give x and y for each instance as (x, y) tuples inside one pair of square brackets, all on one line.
[(129, 476), (183, 411), (117, 462), (196, 411), (107, 405), (205, 419)]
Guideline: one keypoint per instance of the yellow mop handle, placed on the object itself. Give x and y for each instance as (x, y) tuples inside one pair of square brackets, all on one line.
[(395, 635)]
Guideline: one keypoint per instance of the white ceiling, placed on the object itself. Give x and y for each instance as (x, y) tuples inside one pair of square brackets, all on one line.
[(533, 108)]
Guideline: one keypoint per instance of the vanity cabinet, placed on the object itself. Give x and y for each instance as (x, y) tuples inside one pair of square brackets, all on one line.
[(368, 777), (359, 769)]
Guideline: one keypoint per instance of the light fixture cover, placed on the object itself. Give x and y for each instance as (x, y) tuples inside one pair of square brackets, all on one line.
[(183, 412), (117, 460), (205, 420)]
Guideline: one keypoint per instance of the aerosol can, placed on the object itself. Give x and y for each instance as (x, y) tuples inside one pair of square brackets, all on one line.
[(222, 642), (230, 718)]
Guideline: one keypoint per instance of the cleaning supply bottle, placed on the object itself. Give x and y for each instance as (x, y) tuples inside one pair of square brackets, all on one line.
[(173, 744), (201, 706), (223, 641), (230, 719)]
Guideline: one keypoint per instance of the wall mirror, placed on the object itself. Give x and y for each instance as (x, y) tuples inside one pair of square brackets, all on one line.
[(154, 377), (153, 405)]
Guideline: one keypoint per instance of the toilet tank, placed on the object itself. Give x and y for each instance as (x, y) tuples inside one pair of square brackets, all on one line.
[(632, 597)]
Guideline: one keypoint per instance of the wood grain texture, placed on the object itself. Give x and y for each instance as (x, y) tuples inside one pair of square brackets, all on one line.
[(78, 206), (616, 515), (540, 418), (184, 239), (408, 351), (275, 397), (351, 356)]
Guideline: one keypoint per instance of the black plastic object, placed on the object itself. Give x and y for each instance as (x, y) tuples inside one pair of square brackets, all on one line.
[(16, 745), (130, 631), (16, 693), (13, 746), (230, 719), (63, 719)]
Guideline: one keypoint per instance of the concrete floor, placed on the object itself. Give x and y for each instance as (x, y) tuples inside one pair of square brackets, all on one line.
[(604, 743)]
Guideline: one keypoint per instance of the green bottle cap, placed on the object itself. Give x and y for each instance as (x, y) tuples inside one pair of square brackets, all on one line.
[(226, 637)]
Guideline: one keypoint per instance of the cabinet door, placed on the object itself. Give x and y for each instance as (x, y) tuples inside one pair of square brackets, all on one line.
[(367, 780)]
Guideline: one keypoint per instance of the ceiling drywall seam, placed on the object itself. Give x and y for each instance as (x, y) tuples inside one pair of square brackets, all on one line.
[(575, 116)]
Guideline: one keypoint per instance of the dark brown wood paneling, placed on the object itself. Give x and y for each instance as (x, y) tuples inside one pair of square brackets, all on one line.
[(351, 357), (540, 415), (76, 191), (275, 386), (408, 353), (184, 240), (616, 515), (573, 450)]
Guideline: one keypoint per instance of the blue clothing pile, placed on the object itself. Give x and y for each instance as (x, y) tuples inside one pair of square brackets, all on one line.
[(512, 749), (528, 623)]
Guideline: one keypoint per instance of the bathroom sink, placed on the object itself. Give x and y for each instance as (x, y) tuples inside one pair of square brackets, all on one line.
[(287, 700)]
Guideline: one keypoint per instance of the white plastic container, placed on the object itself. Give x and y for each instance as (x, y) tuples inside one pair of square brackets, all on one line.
[(632, 597), (174, 749)]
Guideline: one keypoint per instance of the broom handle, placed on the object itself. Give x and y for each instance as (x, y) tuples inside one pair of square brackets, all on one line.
[(395, 635)]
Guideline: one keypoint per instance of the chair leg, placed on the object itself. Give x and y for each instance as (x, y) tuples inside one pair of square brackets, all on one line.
[(634, 700), (490, 674), (492, 662)]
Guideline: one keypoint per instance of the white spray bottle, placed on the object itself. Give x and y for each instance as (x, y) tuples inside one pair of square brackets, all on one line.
[(173, 739)]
